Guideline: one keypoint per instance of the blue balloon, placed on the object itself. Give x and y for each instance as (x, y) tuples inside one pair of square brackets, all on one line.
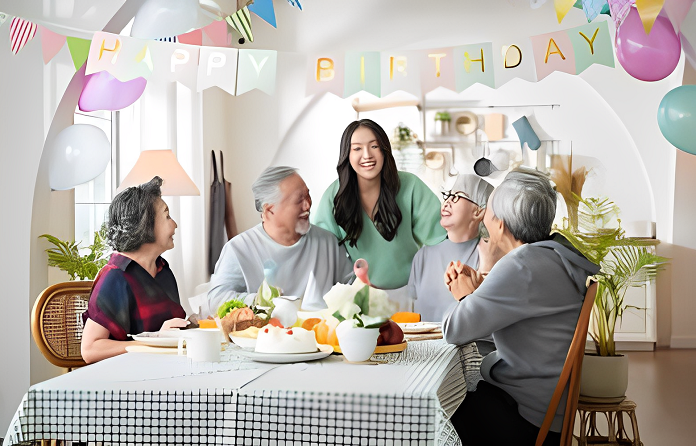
[(676, 117)]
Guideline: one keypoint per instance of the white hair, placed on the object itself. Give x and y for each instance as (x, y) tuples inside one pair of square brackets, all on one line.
[(526, 202), (266, 188)]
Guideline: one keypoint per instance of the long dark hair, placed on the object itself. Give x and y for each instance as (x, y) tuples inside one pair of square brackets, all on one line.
[(347, 207)]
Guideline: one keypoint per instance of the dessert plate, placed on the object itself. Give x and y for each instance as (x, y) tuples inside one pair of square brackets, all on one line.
[(244, 342), (419, 327), (159, 338), (287, 358)]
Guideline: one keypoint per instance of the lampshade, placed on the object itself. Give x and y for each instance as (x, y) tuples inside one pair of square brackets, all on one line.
[(161, 163)]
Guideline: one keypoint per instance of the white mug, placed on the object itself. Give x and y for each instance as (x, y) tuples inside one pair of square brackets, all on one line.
[(201, 345)]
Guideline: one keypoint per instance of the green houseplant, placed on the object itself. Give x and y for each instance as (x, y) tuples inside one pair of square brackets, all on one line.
[(66, 255), (624, 262)]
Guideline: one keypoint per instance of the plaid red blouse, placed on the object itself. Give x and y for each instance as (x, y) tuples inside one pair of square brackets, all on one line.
[(126, 299)]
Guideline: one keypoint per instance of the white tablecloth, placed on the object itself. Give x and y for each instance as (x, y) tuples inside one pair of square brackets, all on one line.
[(141, 398)]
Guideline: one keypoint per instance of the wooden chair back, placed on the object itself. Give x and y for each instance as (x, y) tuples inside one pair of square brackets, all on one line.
[(570, 376), (56, 322)]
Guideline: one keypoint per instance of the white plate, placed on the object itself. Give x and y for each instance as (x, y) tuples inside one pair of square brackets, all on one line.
[(248, 343), (419, 327), (286, 358), (159, 338), (147, 349)]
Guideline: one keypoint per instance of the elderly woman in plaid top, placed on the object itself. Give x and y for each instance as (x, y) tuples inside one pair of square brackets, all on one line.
[(136, 291)]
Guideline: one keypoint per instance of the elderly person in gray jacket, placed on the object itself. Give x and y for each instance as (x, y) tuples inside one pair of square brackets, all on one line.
[(530, 302), (285, 249)]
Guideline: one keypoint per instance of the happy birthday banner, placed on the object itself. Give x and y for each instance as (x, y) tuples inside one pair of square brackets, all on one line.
[(457, 68), (236, 71)]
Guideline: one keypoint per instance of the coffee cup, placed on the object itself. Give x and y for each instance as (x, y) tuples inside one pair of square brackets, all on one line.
[(201, 345)]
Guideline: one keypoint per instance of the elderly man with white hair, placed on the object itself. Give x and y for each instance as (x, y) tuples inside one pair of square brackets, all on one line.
[(530, 302), (285, 249), (461, 214)]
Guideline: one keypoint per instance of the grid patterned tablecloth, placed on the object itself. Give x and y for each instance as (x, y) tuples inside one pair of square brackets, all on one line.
[(143, 399)]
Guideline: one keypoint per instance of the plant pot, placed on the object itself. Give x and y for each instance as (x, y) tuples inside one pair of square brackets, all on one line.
[(357, 343), (604, 376), (442, 128)]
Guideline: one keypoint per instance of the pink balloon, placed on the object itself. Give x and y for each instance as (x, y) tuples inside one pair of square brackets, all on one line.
[(102, 91), (647, 57)]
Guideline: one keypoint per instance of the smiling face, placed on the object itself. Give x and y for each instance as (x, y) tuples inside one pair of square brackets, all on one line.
[(457, 215), (165, 226), (291, 212), (366, 157)]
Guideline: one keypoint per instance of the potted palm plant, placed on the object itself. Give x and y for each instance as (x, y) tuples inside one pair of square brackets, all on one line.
[(624, 262), (66, 255)]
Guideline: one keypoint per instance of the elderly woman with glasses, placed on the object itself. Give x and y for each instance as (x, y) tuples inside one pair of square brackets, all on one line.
[(461, 215), (136, 291), (530, 302)]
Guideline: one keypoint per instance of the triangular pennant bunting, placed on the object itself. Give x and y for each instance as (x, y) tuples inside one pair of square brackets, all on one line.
[(264, 9), (21, 32), (217, 33), (619, 10), (296, 3), (676, 11), (194, 37), (3, 17), (593, 8), (241, 21), (79, 50), (562, 8), (51, 43), (648, 11)]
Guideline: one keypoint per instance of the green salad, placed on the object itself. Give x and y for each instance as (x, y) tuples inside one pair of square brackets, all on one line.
[(228, 306)]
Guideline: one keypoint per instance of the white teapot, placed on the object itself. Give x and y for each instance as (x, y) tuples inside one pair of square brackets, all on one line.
[(286, 308)]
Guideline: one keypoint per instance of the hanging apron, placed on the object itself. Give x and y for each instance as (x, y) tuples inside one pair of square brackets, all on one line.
[(230, 222), (217, 234)]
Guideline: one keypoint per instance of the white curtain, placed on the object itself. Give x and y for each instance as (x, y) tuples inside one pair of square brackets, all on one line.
[(169, 116)]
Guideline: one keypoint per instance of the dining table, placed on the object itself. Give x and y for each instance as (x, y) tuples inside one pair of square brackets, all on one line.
[(145, 398)]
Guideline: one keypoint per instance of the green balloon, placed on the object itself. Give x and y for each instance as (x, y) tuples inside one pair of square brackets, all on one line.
[(676, 117)]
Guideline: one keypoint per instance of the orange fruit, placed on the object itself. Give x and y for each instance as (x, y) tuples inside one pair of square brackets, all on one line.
[(321, 331), (405, 317), (308, 324)]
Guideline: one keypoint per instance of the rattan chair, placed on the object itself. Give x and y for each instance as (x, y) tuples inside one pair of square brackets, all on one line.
[(56, 322), (570, 376)]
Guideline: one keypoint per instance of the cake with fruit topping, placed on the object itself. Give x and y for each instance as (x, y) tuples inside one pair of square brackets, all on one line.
[(285, 340)]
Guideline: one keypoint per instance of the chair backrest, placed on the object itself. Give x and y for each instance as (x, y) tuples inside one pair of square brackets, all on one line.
[(570, 375), (56, 322)]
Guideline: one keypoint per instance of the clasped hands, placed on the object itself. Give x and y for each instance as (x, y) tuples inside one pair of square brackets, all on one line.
[(461, 280)]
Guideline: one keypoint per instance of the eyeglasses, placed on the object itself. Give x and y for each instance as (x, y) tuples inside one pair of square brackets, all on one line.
[(446, 195)]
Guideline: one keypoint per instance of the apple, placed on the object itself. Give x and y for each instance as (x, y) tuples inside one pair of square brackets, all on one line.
[(390, 333)]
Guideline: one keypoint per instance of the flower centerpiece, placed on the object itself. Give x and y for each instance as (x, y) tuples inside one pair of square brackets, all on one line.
[(361, 310)]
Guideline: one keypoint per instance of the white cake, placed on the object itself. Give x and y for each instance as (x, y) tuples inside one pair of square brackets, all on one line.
[(285, 340)]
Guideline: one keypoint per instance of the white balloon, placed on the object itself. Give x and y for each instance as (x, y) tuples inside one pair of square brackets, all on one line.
[(78, 154), (166, 18)]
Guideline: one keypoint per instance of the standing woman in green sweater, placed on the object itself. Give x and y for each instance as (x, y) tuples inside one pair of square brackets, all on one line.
[(380, 214)]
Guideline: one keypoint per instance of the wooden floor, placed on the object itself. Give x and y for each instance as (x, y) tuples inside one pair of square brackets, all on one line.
[(663, 385)]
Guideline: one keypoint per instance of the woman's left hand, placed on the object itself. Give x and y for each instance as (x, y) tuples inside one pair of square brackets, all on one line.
[(174, 323), (463, 280)]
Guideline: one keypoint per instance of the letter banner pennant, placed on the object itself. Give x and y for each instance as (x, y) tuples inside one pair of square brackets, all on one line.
[(473, 64), (257, 70), (553, 52), (513, 59), (175, 63), (436, 68), (591, 44), (362, 73), (51, 43), (325, 73), (217, 67), (124, 57), (400, 71)]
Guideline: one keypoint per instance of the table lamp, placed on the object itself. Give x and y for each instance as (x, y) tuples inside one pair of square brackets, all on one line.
[(162, 163)]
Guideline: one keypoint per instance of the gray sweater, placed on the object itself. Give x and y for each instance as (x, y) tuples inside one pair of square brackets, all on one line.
[(530, 302)]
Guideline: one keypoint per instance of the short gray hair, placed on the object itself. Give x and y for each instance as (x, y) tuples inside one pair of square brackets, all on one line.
[(526, 202), (131, 221), (266, 188)]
